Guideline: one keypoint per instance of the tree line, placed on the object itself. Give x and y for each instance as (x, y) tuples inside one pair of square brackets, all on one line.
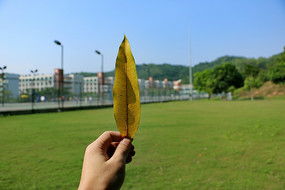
[(225, 74), (241, 73)]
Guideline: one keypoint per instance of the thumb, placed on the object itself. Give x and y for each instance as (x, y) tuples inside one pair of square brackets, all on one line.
[(122, 150)]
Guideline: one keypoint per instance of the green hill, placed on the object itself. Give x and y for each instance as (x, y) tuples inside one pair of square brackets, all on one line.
[(175, 72)]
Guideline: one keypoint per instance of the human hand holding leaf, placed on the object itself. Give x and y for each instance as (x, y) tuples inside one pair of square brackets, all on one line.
[(126, 92)]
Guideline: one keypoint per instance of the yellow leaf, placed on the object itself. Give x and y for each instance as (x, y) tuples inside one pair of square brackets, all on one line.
[(126, 92)]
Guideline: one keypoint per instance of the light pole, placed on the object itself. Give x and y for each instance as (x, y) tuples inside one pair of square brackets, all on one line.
[(33, 73), (60, 44), (60, 78), (190, 71), (190, 82), (2, 81), (101, 82), (148, 90)]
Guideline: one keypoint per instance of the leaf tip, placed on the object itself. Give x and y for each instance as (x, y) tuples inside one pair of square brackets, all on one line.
[(125, 38)]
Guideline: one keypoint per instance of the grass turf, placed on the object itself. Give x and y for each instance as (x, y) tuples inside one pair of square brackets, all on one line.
[(180, 145)]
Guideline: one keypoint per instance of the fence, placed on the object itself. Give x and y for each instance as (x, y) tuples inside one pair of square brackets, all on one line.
[(44, 94)]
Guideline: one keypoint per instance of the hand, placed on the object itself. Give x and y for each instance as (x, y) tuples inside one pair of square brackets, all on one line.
[(104, 162)]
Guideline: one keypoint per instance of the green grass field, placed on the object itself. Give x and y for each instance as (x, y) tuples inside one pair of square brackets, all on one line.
[(180, 145)]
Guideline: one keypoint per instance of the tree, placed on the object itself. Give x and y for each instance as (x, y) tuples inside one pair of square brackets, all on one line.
[(277, 69), (263, 76), (277, 73), (223, 78), (251, 70), (204, 81), (250, 83), (226, 77), (245, 66)]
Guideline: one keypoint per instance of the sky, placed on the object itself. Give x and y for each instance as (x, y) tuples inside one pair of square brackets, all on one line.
[(160, 31)]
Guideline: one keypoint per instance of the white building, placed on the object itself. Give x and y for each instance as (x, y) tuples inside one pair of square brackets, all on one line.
[(38, 82), (158, 84), (186, 89), (141, 83), (10, 85), (108, 84), (74, 83), (91, 84), (167, 84), (149, 83)]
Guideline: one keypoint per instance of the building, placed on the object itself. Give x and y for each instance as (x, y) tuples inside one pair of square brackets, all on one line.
[(38, 82), (91, 84), (108, 85), (167, 84), (141, 84), (9, 85), (149, 83), (158, 84), (74, 83), (177, 85), (186, 89)]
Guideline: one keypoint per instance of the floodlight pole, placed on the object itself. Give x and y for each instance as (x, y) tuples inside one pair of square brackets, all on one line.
[(2, 78), (33, 73), (190, 83), (101, 83), (190, 71), (61, 45), (61, 86)]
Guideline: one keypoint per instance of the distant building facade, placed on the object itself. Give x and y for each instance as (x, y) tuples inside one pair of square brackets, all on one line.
[(38, 82), (9, 84), (74, 83), (186, 89), (91, 84)]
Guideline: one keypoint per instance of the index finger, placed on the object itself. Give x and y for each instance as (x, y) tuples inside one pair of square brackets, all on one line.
[(104, 140)]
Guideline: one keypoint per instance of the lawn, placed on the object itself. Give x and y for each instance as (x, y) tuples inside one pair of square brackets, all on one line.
[(180, 145)]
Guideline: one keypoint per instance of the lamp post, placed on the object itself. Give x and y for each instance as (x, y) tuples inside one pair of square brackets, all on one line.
[(101, 82), (147, 91), (2, 81), (33, 73), (60, 78), (60, 44), (190, 71)]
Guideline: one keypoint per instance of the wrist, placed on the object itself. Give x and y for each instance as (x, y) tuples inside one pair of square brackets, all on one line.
[(92, 186)]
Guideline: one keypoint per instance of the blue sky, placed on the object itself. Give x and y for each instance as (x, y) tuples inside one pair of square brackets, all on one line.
[(158, 31)]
